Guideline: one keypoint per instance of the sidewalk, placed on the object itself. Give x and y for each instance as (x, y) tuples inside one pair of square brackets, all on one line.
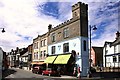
[(86, 78)]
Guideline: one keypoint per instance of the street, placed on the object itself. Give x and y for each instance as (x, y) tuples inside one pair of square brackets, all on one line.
[(19, 74), (15, 73)]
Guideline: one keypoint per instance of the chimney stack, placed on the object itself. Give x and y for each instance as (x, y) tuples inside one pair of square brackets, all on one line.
[(49, 27), (117, 34)]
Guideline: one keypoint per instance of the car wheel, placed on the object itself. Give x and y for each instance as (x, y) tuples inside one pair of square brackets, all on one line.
[(49, 74)]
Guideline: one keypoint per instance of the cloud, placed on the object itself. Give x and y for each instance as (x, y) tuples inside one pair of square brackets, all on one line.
[(24, 20), (21, 17)]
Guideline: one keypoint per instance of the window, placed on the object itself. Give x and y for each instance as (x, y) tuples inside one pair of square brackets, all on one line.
[(65, 33), (36, 45), (75, 13), (53, 49), (114, 59), (41, 43), (84, 45), (44, 53), (36, 55), (115, 49), (41, 54), (45, 42), (53, 37), (66, 47), (118, 58)]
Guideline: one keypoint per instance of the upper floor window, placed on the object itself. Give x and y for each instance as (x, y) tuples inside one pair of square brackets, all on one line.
[(115, 49), (36, 45), (41, 43), (66, 47), (53, 49), (118, 58), (84, 45), (53, 37), (66, 33), (114, 59), (45, 42)]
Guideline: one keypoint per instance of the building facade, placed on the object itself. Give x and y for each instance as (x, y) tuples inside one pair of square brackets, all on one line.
[(40, 49), (72, 35), (30, 51), (97, 56), (111, 53)]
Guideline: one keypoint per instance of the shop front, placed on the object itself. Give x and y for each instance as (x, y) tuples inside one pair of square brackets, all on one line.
[(38, 66), (66, 62)]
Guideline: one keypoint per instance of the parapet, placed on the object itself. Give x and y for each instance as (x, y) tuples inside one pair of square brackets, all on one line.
[(77, 5), (65, 23)]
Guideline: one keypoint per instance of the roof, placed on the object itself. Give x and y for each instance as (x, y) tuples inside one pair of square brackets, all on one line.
[(116, 42), (98, 49), (26, 54), (106, 42)]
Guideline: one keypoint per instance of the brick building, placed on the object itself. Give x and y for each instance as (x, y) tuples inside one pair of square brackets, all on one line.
[(68, 38)]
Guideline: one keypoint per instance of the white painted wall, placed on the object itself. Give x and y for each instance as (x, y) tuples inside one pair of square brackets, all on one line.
[(109, 59), (76, 44), (109, 50)]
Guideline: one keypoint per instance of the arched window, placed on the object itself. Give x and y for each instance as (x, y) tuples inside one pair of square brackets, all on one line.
[(84, 45)]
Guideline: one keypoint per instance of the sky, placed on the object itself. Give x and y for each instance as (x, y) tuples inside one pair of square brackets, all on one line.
[(24, 20)]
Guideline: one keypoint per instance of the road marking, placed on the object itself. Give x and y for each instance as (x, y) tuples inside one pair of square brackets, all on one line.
[(11, 76)]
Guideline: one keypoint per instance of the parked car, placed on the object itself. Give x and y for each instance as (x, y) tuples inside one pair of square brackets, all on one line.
[(35, 69), (38, 69), (50, 72)]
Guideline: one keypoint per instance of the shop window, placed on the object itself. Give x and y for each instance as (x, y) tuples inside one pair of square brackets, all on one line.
[(66, 33), (53, 49), (66, 47), (114, 59), (84, 45)]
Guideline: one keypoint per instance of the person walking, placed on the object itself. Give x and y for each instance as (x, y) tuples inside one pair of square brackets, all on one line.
[(78, 76), (75, 71)]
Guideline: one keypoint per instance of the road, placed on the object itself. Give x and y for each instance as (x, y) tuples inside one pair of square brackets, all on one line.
[(19, 74), (15, 73)]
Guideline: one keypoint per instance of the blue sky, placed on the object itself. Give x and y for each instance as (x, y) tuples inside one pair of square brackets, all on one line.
[(23, 20)]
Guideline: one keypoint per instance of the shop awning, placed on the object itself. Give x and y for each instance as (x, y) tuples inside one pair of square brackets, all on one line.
[(62, 59), (50, 59), (38, 62)]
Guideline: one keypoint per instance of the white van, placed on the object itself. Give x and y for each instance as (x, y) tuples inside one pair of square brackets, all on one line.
[(1, 59)]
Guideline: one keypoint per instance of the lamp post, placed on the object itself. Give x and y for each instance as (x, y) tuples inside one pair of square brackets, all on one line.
[(92, 27), (3, 30)]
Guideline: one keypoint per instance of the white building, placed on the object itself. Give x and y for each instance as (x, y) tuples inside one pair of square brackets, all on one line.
[(69, 36), (111, 53)]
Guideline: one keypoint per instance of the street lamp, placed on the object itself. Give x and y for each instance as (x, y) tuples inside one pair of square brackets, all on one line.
[(3, 30), (92, 27)]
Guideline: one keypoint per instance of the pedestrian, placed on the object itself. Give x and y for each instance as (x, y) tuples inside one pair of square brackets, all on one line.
[(75, 71), (58, 70), (78, 75)]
